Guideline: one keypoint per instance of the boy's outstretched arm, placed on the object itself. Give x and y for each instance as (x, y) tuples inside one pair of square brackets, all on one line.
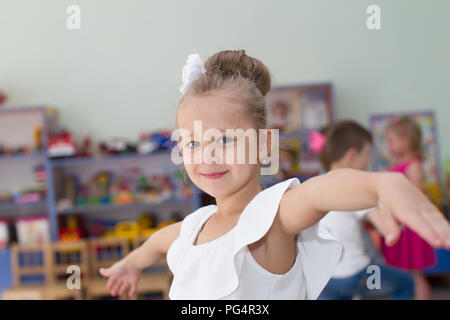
[(374, 217), (398, 201)]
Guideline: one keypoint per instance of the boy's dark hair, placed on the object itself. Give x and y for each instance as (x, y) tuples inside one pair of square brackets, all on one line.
[(340, 137)]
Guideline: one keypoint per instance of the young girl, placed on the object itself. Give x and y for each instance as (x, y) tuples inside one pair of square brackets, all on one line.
[(345, 144), (253, 243), (411, 252)]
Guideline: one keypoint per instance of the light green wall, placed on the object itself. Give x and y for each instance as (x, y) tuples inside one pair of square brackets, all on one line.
[(120, 73)]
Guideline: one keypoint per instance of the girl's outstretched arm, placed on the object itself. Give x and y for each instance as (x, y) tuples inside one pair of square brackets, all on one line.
[(155, 247), (398, 201), (125, 273)]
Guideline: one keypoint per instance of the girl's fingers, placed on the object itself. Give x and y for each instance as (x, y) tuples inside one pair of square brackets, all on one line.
[(132, 290), (116, 287), (110, 283), (122, 288)]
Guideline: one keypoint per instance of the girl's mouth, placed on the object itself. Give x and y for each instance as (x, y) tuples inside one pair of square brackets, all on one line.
[(215, 175)]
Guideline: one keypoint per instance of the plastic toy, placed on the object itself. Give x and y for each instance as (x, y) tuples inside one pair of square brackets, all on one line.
[(33, 230), (2, 98), (21, 198), (72, 232), (124, 197), (155, 141), (37, 137), (432, 190), (4, 235), (61, 145), (145, 145), (6, 197), (102, 182), (127, 229), (146, 225), (163, 140), (117, 146)]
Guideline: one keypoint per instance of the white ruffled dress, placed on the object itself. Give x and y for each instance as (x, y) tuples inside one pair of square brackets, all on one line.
[(225, 268)]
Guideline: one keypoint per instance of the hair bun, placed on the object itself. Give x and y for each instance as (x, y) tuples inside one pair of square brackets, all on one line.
[(234, 63)]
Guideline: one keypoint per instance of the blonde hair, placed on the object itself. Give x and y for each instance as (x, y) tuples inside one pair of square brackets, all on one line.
[(405, 127), (240, 78)]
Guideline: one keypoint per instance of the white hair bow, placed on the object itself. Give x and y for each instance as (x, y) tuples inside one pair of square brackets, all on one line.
[(192, 70)]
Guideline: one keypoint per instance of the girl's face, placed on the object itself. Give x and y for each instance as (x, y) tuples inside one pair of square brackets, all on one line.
[(217, 173), (398, 146)]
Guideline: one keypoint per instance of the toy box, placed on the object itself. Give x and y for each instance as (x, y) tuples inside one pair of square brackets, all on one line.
[(31, 230), (4, 235)]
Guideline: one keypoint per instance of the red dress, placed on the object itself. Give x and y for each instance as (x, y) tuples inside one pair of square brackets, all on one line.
[(410, 252)]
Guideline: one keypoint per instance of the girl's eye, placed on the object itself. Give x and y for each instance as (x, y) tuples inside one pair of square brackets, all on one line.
[(225, 140), (193, 144)]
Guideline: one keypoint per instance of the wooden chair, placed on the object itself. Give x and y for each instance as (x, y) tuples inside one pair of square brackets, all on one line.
[(63, 255), (46, 263), (103, 253), (156, 279), (30, 270)]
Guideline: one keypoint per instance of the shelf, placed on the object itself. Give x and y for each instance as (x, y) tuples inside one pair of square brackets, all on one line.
[(23, 156), (16, 210), (12, 206), (118, 207), (66, 162)]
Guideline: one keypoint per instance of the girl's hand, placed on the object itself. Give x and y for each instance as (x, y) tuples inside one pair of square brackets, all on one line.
[(121, 276), (401, 203)]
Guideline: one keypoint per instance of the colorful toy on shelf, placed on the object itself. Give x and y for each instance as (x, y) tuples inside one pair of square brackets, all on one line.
[(32, 230), (2, 98), (116, 146), (433, 191), (26, 197), (39, 173), (163, 140), (61, 144), (95, 229), (146, 225), (68, 188), (145, 145), (105, 187), (155, 141), (186, 188), (85, 149), (127, 229), (71, 232), (37, 137), (124, 196), (6, 197), (4, 234), (102, 184)]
